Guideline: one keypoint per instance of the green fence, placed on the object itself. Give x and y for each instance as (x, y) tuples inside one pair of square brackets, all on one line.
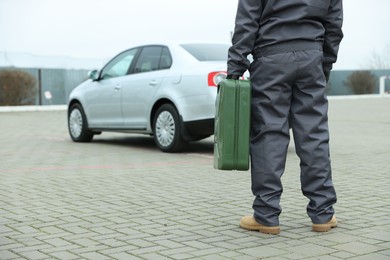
[(54, 85), (337, 82)]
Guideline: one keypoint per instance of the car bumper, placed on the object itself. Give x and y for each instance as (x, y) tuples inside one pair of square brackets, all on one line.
[(193, 130)]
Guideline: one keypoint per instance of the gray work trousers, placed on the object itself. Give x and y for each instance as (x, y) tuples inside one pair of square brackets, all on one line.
[(288, 90)]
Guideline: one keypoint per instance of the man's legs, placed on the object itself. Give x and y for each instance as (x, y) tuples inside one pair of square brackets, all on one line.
[(309, 121), (271, 77)]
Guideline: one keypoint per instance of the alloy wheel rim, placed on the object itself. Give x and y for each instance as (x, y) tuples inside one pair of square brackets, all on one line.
[(165, 128), (75, 123)]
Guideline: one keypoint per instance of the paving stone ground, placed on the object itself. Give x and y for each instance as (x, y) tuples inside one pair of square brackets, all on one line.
[(119, 197)]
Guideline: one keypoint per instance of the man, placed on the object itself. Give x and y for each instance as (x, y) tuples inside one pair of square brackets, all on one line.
[(294, 44)]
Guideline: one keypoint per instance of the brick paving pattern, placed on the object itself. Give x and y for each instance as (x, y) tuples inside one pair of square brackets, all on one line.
[(119, 197)]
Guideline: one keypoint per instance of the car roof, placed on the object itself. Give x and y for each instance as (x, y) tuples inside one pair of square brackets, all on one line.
[(173, 43)]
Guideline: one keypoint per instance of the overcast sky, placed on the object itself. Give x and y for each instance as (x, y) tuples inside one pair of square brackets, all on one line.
[(102, 28)]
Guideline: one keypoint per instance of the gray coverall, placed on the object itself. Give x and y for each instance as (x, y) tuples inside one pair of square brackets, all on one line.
[(294, 44)]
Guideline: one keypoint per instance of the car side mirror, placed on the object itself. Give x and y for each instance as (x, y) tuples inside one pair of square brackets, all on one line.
[(93, 74)]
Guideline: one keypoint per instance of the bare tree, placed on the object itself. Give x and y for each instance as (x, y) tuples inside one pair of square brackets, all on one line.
[(380, 61)]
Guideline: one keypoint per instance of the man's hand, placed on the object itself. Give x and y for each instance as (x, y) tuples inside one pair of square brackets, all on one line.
[(236, 77)]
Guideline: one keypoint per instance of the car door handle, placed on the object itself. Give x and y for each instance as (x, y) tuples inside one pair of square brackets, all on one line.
[(153, 83), (117, 87)]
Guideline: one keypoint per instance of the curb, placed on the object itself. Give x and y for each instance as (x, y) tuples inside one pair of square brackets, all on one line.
[(64, 107), (32, 108)]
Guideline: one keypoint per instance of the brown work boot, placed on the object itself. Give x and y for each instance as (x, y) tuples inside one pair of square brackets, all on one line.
[(249, 223), (326, 226)]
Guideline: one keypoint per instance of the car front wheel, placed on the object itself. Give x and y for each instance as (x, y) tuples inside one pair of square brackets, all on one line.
[(77, 124), (166, 129)]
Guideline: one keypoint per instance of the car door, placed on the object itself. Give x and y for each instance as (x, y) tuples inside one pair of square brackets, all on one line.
[(138, 94), (104, 99)]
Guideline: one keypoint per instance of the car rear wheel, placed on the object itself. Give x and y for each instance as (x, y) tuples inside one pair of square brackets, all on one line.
[(167, 129), (77, 124)]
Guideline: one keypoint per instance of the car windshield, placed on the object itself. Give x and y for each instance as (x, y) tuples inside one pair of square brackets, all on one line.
[(207, 52)]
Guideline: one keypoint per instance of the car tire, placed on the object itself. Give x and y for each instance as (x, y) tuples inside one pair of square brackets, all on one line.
[(78, 125), (167, 129)]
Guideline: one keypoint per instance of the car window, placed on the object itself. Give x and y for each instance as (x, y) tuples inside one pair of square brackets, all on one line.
[(166, 59), (120, 65), (208, 52), (149, 59)]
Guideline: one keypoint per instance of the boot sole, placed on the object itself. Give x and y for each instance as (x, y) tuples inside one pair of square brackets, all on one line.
[(323, 227), (262, 229)]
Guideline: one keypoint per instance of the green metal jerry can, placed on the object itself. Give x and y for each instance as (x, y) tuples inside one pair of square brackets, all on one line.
[(232, 125)]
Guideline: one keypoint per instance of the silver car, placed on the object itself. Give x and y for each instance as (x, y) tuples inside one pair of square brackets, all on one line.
[(165, 90)]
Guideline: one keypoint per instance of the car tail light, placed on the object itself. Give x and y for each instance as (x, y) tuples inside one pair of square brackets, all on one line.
[(215, 77)]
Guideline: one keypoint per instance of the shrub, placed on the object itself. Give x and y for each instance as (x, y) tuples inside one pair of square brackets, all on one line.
[(17, 88), (361, 82)]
